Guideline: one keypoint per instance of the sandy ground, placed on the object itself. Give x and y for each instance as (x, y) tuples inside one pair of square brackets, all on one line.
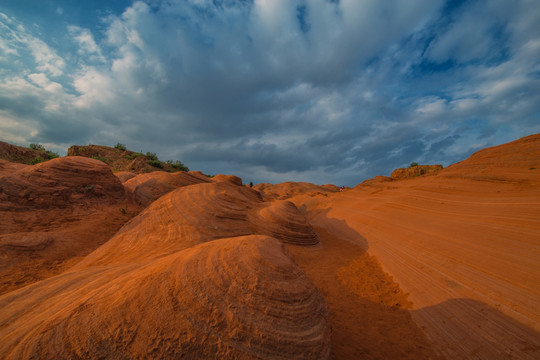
[(466, 251), (367, 309)]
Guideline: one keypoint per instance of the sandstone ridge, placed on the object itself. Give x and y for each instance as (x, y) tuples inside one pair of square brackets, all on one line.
[(121, 159), (414, 171)]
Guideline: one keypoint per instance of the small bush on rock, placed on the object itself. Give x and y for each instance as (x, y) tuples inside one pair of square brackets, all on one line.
[(120, 146), (133, 156), (37, 160), (37, 147), (178, 165), (155, 163)]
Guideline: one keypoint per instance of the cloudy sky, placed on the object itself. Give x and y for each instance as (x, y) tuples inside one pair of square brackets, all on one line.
[(325, 91)]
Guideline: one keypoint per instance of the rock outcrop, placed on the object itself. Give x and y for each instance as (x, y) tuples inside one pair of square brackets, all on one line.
[(124, 160), (199, 213), (22, 155), (57, 183), (151, 186), (54, 212), (239, 298), (189, 276), (286, 190), (414, 171)]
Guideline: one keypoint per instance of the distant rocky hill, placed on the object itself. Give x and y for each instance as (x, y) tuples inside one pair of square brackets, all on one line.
[(118, 157), (289, 189), (121, 159), (414, 171), (22, 155)]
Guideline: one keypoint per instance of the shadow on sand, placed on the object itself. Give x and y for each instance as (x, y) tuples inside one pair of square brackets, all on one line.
[(470, 329), (459, 328), (365, 324)]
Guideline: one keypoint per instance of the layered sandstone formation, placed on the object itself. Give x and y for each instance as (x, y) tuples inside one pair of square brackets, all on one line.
[(215, 269), (125, 160), (58, 183), (237, 298), (282, 220), (199, 213), (53, 213), (289, 189), (21, 155), (151, 186), (189, 276), (463, 243), (414, 171)]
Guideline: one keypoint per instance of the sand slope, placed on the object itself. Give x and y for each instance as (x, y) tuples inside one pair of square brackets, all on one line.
[(465, 244)]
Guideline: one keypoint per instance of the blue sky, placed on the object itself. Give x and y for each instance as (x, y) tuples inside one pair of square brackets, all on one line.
[(273, 90)]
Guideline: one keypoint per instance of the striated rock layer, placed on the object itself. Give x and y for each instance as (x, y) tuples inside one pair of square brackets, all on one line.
[(463, 243), (239, 298), (19, 154), (199, 213), (186, 277), (57, 183), (124, 176), (282, 220), (53, 213), (414, 171), (151, 186), (289, 189)]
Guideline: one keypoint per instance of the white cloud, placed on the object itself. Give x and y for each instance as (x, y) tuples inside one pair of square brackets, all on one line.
[(15, 129), (87, 44), (45, 83), (15, 40), (46, 58), (94, 87), (467, 39), (431, 106)]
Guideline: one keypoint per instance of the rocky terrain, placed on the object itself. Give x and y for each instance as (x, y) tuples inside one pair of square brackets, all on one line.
[(415, 170), (21, 155), (121, 159), (156, 265)]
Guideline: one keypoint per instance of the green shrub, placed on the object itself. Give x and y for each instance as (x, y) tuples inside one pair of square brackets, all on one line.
[(155, 163), (120, 146), (178, 165), (97, 157), (37, 147), (152, 156), (133, 156), (52, 155), (37, 160), (413, 164)]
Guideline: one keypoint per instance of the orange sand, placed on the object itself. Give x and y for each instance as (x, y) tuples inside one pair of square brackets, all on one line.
[(465, 244)]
